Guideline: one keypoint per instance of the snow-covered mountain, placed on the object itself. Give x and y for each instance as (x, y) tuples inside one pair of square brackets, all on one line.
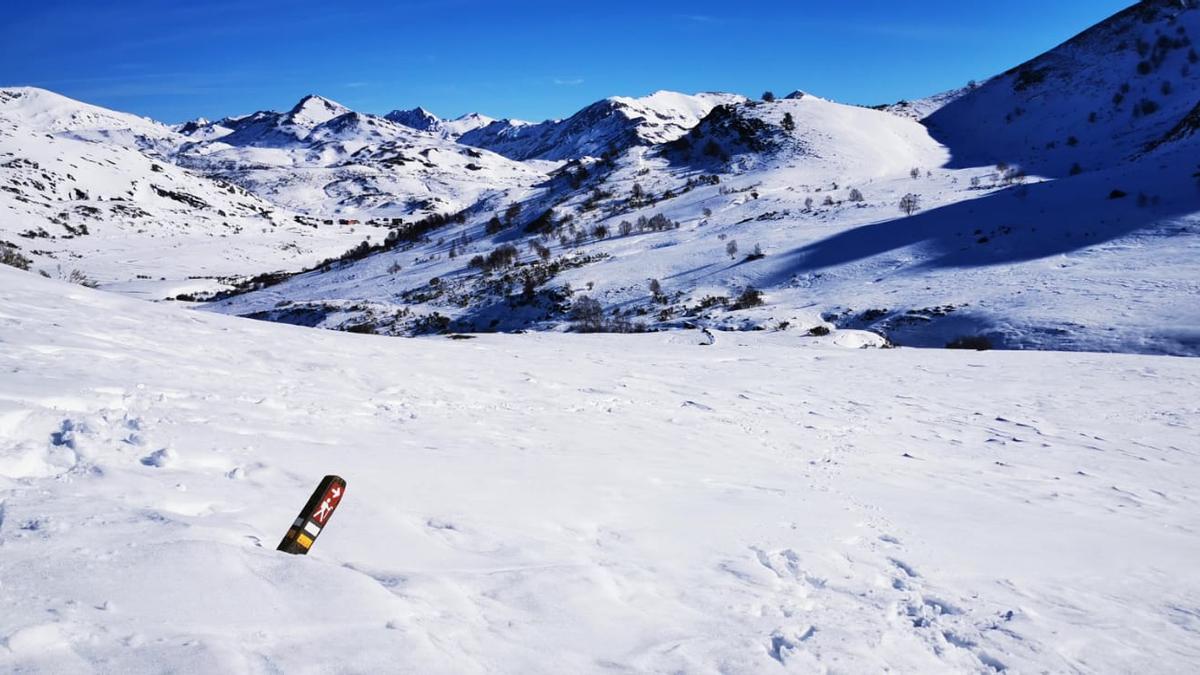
[(423, 120), (313, 110), (806, 192), (1098, 100), (749, 214), (417, 118), (455, 128), (392, 291), (87, 191), (268, 129), (823, 138), (39, 110), (609, 127), (327, 161)]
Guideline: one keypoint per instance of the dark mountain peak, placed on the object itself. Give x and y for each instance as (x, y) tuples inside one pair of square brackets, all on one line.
[(417, 118)]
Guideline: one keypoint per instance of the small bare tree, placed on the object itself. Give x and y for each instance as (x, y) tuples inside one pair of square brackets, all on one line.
[(910, 204), (731, 248), (751, 297), (656, 291), (588, 315), (539, 249), (512, 213)]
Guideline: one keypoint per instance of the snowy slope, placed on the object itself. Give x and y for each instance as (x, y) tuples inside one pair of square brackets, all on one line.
[(458, 126), (50, 113), (403, 287), (830, 140), (1045, 265), (1093, 102), (548, 503), (609, 126), (77, 194), (919, 109)]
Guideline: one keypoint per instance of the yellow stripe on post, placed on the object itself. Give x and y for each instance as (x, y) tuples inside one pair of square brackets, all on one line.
[(314, 516)]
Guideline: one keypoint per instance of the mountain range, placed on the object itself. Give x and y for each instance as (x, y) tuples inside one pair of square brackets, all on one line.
[(1052, 206)]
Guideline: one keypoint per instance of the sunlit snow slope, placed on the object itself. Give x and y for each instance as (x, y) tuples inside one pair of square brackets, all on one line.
[(551, 503), (87, 190), (1104, 261)]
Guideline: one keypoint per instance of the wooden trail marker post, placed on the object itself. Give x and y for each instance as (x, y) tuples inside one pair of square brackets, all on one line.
[(314, 516)]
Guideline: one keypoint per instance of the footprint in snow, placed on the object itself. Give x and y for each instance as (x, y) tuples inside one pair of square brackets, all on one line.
[(783, 643), (66, 434), (160, 458), (904, 567)]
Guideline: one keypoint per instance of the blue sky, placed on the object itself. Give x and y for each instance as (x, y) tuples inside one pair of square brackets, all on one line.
[(525, 59)]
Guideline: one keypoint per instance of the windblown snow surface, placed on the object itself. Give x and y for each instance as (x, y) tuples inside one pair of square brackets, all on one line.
[(557, 503)]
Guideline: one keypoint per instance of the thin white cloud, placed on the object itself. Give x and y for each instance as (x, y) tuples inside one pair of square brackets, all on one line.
[(568, 81), (698, 18)]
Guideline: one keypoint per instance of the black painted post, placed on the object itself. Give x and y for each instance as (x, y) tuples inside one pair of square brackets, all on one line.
[(314, 516)]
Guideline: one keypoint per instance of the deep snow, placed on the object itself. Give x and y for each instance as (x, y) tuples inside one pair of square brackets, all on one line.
[(554, 503)]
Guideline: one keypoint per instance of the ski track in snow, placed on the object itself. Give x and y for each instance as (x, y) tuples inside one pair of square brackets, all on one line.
[(550, 503)]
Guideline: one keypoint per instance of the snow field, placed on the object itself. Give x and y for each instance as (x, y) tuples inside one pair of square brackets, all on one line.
[(542, 503)]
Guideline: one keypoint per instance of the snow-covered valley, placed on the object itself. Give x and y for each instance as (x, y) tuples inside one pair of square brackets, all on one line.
[(581, 503)]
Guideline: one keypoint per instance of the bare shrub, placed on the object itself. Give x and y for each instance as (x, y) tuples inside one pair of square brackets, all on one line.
[(9, 255)]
